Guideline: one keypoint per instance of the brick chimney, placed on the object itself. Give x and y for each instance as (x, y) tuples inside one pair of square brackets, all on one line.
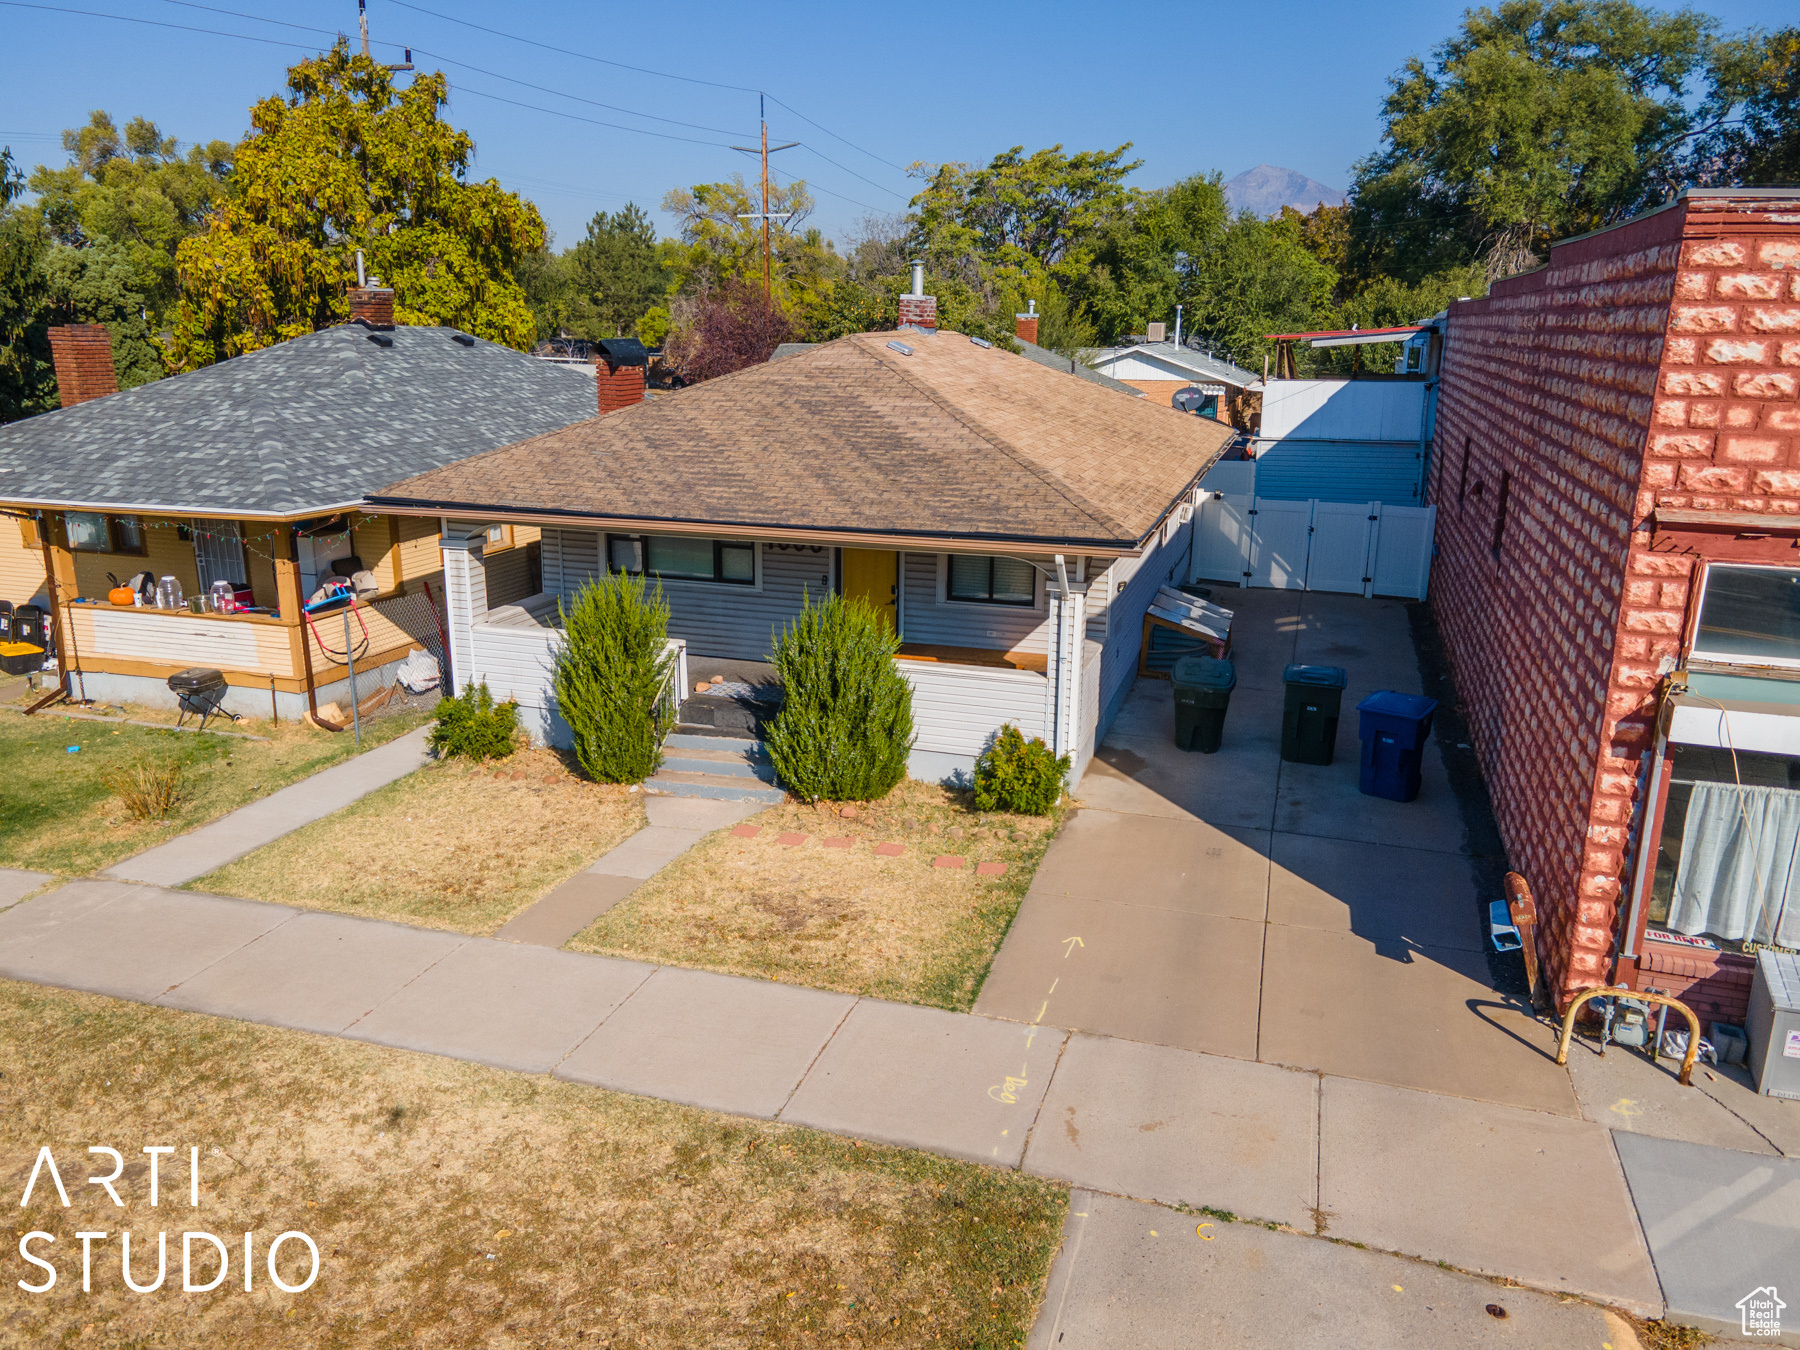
[(1025, 325), (372, 305), (917, 308), (619, 373), (84, 362)]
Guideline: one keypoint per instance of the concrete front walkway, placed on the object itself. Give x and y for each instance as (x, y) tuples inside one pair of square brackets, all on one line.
[(248, 828), (1464, 1182), (1244, 906)]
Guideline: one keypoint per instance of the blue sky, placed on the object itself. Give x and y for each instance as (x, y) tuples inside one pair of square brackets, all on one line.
[(1195, 87)]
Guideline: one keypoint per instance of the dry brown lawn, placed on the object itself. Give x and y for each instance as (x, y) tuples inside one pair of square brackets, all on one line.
[(455, 1205), (455, 845), (840, 918)]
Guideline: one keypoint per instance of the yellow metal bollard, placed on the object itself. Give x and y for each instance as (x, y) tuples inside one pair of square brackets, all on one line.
[(1643, 996)]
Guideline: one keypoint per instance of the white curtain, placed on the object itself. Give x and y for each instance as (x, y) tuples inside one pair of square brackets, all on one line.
[(1738, 873)]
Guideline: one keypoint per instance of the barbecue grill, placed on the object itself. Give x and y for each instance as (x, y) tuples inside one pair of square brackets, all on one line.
[(200, 691)]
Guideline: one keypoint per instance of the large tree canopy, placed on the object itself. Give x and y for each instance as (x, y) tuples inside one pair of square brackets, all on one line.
[(1539, 119), (346, 162)]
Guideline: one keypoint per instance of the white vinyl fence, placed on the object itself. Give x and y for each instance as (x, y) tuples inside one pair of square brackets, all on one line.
[(1363, 548)]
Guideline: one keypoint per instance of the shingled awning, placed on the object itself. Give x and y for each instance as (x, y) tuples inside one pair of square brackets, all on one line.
[(952, 440)]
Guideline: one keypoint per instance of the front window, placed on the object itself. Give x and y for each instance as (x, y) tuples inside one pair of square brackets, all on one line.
[(1750, 615), (683, 558), (992, 580), (127, 534), (87, 532)]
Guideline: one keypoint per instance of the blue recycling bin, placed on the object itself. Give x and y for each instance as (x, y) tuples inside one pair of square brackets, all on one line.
[(1394, 730)]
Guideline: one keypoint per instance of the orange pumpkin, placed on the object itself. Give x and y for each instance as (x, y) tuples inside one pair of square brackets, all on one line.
[(121, 595)]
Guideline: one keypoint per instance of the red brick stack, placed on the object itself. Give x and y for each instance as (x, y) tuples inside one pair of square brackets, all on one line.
[(619, 386), (83, 356), (1650, 364)]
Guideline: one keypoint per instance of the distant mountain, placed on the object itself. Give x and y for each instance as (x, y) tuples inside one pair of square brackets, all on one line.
[(1266, 189)]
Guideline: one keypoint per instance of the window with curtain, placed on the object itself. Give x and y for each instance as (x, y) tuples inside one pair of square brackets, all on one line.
[(992, 580), (1737, 874), (683, 558)]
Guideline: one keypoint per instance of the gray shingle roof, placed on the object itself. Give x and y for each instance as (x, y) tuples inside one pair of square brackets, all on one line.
[(307, 424), (1057, 361), (1199, 363)]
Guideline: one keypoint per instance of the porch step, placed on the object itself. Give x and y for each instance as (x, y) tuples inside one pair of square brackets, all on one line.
[(686, 736), (728, 715), (682, 783), (732, 763)]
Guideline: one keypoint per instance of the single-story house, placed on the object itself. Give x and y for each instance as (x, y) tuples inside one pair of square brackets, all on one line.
[(253, 472), (1617, 479), (1161, 370), (1011, 522)]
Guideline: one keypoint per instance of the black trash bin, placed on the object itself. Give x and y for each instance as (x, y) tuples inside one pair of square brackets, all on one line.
[(1203, 687), (1309, 715), (1394, 730)]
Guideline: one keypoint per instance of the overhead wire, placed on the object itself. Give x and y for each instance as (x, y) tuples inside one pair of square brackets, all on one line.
[(155, 23), (829, 132)]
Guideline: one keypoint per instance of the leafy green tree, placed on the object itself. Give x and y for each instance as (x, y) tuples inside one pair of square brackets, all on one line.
[(1142, 254), (348, 161), (718, 244), (1258, 278), (133, 193), (1761, 148), (616, 274), (27, 383), (1540, 119)]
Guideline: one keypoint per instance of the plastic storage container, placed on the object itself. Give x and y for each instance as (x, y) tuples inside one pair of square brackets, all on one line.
[(1394, 730), (1774, 1025), (1309, 714), (1203, 686), (21, 658)]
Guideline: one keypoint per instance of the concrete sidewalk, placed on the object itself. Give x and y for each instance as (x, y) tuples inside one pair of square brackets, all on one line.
[(248, 828), (1445, 1179)]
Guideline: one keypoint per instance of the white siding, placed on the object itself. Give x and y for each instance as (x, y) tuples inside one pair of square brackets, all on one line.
[(926, 616), (1344, 410), (956, 709), (714, 619), (465, 600), (517, 663), (173, 641), (1092, 666), (1162, 564)]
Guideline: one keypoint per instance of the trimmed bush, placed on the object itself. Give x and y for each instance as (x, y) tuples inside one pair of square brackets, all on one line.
[(846, 728), (1017, 775), (473, 726), (610, 677)]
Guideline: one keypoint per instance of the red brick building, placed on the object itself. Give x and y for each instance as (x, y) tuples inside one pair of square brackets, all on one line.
[(1617, 449)]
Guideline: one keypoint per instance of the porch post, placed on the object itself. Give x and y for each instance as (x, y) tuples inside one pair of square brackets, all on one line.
[(1067, 628), (465, 600)]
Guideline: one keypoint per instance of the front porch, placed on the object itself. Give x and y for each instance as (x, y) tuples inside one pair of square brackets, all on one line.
[(974, 667)]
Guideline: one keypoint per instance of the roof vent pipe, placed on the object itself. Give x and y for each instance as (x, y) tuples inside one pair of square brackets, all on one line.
[(918, 267), (361, 279)]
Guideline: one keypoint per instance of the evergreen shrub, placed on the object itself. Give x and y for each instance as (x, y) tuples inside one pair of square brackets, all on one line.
[(1017, 775), (611, 675), (474, 726), (845, 729)]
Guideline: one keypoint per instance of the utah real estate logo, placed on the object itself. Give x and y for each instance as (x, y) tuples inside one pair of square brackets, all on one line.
[(1761, 1309)]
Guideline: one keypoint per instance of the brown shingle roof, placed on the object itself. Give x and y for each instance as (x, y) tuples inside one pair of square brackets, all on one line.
[(953, 440)]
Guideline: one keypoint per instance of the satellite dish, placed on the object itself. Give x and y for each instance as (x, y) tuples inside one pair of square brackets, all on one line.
[(1189, 400)]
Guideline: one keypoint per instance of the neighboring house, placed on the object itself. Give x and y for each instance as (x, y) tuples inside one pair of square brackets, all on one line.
[(253, 471), (1011, 522), (1618, 485), (1161, 370)]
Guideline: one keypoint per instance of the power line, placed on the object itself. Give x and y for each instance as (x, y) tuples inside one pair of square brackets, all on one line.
[(828, 131), (829, 193), (576, 117), (584, 56), (157, 23), (852, 172)]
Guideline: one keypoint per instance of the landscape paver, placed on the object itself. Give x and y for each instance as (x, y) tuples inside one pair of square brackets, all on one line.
[(17, 882), (1720, 1225), (515, 1007), (1131, 1275), (923, 1078), (1181, 1128), (716, 1041), (1389, 1010), (315, 972), (1489, 1188), (112, 937), (1155, 975), (1200, 868), (248, 828), (568, 909)]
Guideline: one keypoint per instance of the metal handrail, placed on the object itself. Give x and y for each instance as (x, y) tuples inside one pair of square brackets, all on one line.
[(1642, 995)]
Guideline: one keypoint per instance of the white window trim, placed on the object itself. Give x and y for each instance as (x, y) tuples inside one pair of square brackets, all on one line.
[(1040, 593), (1728, 659), (689, 583)]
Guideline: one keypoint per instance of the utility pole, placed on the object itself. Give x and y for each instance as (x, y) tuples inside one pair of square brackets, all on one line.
[(764, 215), (362, 21)]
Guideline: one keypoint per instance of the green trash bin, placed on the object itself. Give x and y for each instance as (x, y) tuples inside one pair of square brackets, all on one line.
[(1203, 687), (1309, 714)]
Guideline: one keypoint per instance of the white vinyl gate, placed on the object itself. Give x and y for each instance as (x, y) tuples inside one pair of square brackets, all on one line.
[(1363, 548)]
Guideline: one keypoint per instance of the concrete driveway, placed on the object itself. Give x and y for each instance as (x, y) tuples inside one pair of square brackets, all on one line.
[(1239, 905)]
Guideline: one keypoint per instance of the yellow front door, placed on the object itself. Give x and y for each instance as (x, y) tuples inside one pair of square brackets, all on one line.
[(873, 574)]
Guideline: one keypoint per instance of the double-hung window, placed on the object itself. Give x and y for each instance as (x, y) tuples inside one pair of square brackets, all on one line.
[(683, 558), (991, 580)]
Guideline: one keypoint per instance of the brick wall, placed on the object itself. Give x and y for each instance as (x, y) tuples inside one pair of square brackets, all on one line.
[(84, 362), (918, 310), (1644, 364), (617, 386)]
